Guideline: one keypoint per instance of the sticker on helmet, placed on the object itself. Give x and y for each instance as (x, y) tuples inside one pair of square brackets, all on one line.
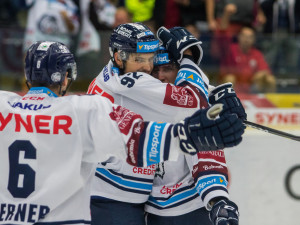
[(56, 77), (146, 33), (44, 46), (144, 47)]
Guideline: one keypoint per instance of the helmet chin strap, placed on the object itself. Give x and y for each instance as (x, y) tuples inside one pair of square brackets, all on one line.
[(62, 93)]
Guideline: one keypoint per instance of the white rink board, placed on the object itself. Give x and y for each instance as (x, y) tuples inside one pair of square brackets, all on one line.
[(258, 168)]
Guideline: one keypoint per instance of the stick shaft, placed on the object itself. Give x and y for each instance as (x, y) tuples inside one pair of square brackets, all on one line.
[(271, 130)]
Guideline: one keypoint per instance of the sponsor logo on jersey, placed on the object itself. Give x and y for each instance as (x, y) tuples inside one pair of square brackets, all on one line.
[(180, 97), (145, 47), (154, 142), (210, 167), (169, 190), (193, 78), (131, 151), (28, 106), (210, 181), (22, 213), (149, 170), (146, 33), (105, 74), (216, 155)]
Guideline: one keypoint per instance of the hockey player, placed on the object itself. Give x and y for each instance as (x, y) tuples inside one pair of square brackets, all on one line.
[(126, 81), (166, 70), (50, 146)]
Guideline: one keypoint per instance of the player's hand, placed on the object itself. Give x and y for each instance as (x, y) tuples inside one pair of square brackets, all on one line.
[(224, 212), (177, 40), (225, 95), (205, 130)]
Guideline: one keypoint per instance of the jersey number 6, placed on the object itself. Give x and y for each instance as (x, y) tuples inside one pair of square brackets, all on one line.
[(21, 181)]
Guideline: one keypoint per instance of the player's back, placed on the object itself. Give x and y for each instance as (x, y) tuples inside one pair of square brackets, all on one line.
[(48, 156)]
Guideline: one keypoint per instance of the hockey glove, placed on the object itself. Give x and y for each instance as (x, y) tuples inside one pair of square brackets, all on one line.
[(203, 131), (225, 94), (224, 212), (177, 40)]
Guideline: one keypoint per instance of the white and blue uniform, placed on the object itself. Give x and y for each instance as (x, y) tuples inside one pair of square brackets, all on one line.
[(50, 147), (171, 190)]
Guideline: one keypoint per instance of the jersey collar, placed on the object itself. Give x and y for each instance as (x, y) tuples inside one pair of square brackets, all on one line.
[(42, 90)]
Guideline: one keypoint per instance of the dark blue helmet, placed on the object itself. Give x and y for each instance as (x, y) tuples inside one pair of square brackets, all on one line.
[(46, 63), (163, 57), (131, 38)]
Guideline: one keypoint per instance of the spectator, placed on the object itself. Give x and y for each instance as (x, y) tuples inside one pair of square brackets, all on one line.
[(245, 65), (281, 30), (231, 16), (55, 20)]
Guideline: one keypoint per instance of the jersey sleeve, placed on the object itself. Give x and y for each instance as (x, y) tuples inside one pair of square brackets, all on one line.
[(210, 174), (113, 130)]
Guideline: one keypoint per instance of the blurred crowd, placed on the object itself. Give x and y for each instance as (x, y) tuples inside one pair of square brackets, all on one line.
[(254, 44)]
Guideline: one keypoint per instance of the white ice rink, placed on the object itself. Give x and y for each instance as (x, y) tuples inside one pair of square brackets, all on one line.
[(258, 169)]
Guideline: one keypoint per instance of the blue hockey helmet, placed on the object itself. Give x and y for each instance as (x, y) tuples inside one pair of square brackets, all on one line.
[(132, 38), (46, 63)]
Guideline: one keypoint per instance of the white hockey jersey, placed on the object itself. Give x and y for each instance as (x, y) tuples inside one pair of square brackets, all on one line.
[(50, 147), (171, 187)]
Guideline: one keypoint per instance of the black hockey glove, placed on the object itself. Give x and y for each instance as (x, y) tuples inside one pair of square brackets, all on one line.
[(203, 131), (224, 212), (177, 40), (225, 95)]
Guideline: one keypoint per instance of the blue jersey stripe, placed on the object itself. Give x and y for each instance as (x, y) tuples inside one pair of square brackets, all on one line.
[(131, 177), (186, 66), (116, 185), (193, 78), (174, 205), (173, 198), (210, 181), (122, 181), (154, 143)]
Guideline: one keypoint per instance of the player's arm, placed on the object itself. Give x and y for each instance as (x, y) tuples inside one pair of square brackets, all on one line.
[(115, 127), (186, 50)]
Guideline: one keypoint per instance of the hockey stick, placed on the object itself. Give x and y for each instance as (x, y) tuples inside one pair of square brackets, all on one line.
[(271, 130)]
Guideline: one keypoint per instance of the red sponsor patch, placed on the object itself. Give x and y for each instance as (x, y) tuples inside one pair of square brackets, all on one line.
[(204, 166), (180, 97), (133, 144), (125, 118), (216, 155)]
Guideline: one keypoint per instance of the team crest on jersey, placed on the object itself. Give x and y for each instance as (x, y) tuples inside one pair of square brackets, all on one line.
[(124, 118), (179, 96)]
